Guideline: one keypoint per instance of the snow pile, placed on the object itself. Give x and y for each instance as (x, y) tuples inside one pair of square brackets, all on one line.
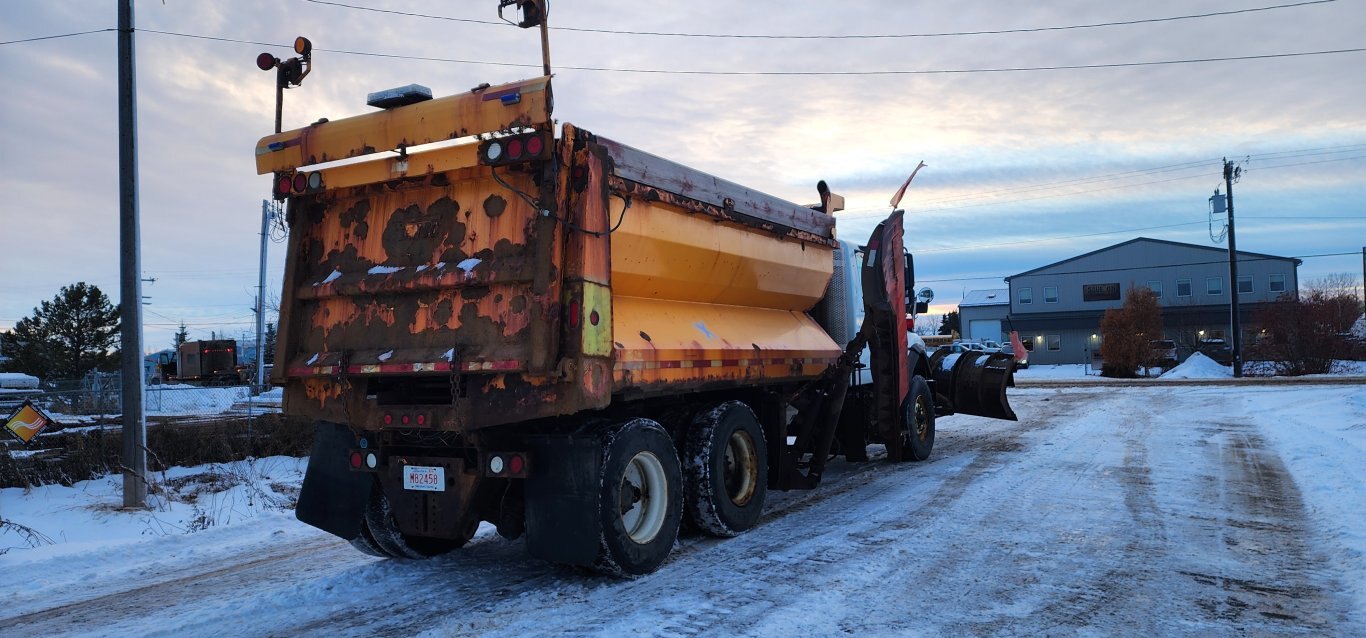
[(85, 516), (1199, 366), (1359, 328), (18, 381)]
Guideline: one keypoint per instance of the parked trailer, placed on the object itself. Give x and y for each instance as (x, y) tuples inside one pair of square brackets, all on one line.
[(575, 340), (209, 362)]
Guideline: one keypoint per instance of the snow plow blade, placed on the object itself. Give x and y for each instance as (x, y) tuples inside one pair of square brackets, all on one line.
[(973, 383)]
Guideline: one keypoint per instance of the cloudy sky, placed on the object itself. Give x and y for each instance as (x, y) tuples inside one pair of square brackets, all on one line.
[(1027, 164)]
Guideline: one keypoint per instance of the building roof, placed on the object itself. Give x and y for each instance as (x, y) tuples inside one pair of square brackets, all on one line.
[(996, 297), (1221, 251)]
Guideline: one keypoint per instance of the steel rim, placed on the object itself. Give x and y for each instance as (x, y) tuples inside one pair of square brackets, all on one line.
[(741, 470), (920, 420), (644, 497)]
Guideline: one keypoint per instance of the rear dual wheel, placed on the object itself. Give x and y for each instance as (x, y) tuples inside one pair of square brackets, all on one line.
[(640, 498), (380, 535), (727, 470)]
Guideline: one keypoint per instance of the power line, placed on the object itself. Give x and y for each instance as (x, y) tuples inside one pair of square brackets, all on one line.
[(62, 35), (1064, 67), (829, 36)]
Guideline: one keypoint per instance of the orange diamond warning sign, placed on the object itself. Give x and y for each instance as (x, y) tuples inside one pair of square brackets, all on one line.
[(27, 422)]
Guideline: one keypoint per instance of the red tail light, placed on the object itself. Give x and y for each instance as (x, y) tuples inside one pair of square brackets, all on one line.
[(575, 311), (515, 149), (516, 464), (283, 183), (388, 419), (534, 145), (300, 182), (355, 460)]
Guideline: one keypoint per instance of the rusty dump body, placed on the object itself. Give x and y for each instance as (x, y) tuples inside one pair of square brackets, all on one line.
[(493, 320), (477, 295)]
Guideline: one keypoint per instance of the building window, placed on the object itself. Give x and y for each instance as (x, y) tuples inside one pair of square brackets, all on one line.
[(1156, 287), (1054, 342), (1183, 287), (1276, 283), (1244, 284), (1026, 296), (1050, 294), (1214, 285)]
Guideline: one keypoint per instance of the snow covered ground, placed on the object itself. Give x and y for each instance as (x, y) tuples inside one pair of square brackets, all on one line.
[(1198, 366), (1171, 510)]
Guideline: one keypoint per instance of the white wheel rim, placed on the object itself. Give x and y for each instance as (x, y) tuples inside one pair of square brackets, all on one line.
[(644, 498)]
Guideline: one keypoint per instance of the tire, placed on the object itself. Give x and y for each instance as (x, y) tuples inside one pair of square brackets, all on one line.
[(917, 424), (365, 542), (383, 531), (640, 498), (727, 470)]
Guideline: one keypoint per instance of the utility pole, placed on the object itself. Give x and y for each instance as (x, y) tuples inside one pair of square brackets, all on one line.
[(1237, 343), (130, 269), (266, 215)]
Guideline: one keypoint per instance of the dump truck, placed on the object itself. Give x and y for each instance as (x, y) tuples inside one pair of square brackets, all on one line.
[(207, 362), (492, 318)]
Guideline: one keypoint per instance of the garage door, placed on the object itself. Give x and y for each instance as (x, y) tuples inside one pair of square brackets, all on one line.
[(979, 329)]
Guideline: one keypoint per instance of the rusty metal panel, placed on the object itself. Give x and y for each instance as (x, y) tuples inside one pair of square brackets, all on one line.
[(420, 273), (650, 170), (456, 116)]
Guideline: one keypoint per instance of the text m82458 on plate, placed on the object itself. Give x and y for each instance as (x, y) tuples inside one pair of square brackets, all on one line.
[(424, 478)]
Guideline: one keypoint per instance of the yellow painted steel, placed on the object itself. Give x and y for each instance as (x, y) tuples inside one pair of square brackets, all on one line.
[(597, 336), (389, 168), (435, 120), (668, 342), (663, 252)]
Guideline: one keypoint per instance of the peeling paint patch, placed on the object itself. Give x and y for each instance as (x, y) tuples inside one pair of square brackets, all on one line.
[(468, 264), (332, 277), (313, 359), (385, 270), (386, 356), (450, 355)]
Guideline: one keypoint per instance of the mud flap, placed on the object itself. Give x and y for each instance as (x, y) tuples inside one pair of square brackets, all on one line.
[(975, 383), (333, 497), (562, 499)]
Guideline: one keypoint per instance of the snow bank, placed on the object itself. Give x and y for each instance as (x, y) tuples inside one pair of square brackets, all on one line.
[(1199, 366), (18, 381), (86, 516)]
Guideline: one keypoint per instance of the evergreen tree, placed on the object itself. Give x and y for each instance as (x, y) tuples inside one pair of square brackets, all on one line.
[(72, 334), (268, 350), (951, 324)]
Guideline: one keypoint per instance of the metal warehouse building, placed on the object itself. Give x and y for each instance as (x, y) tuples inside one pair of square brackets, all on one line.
[(1057, 308)]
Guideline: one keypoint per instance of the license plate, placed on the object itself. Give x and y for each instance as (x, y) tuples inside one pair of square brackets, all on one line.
[(424, 478)]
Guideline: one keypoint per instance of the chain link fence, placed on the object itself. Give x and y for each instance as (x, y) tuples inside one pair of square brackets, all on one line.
[(186, 425)]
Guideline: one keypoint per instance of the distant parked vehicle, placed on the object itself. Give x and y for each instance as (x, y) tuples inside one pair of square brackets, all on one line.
[(1164, 352), (1216, 349)]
